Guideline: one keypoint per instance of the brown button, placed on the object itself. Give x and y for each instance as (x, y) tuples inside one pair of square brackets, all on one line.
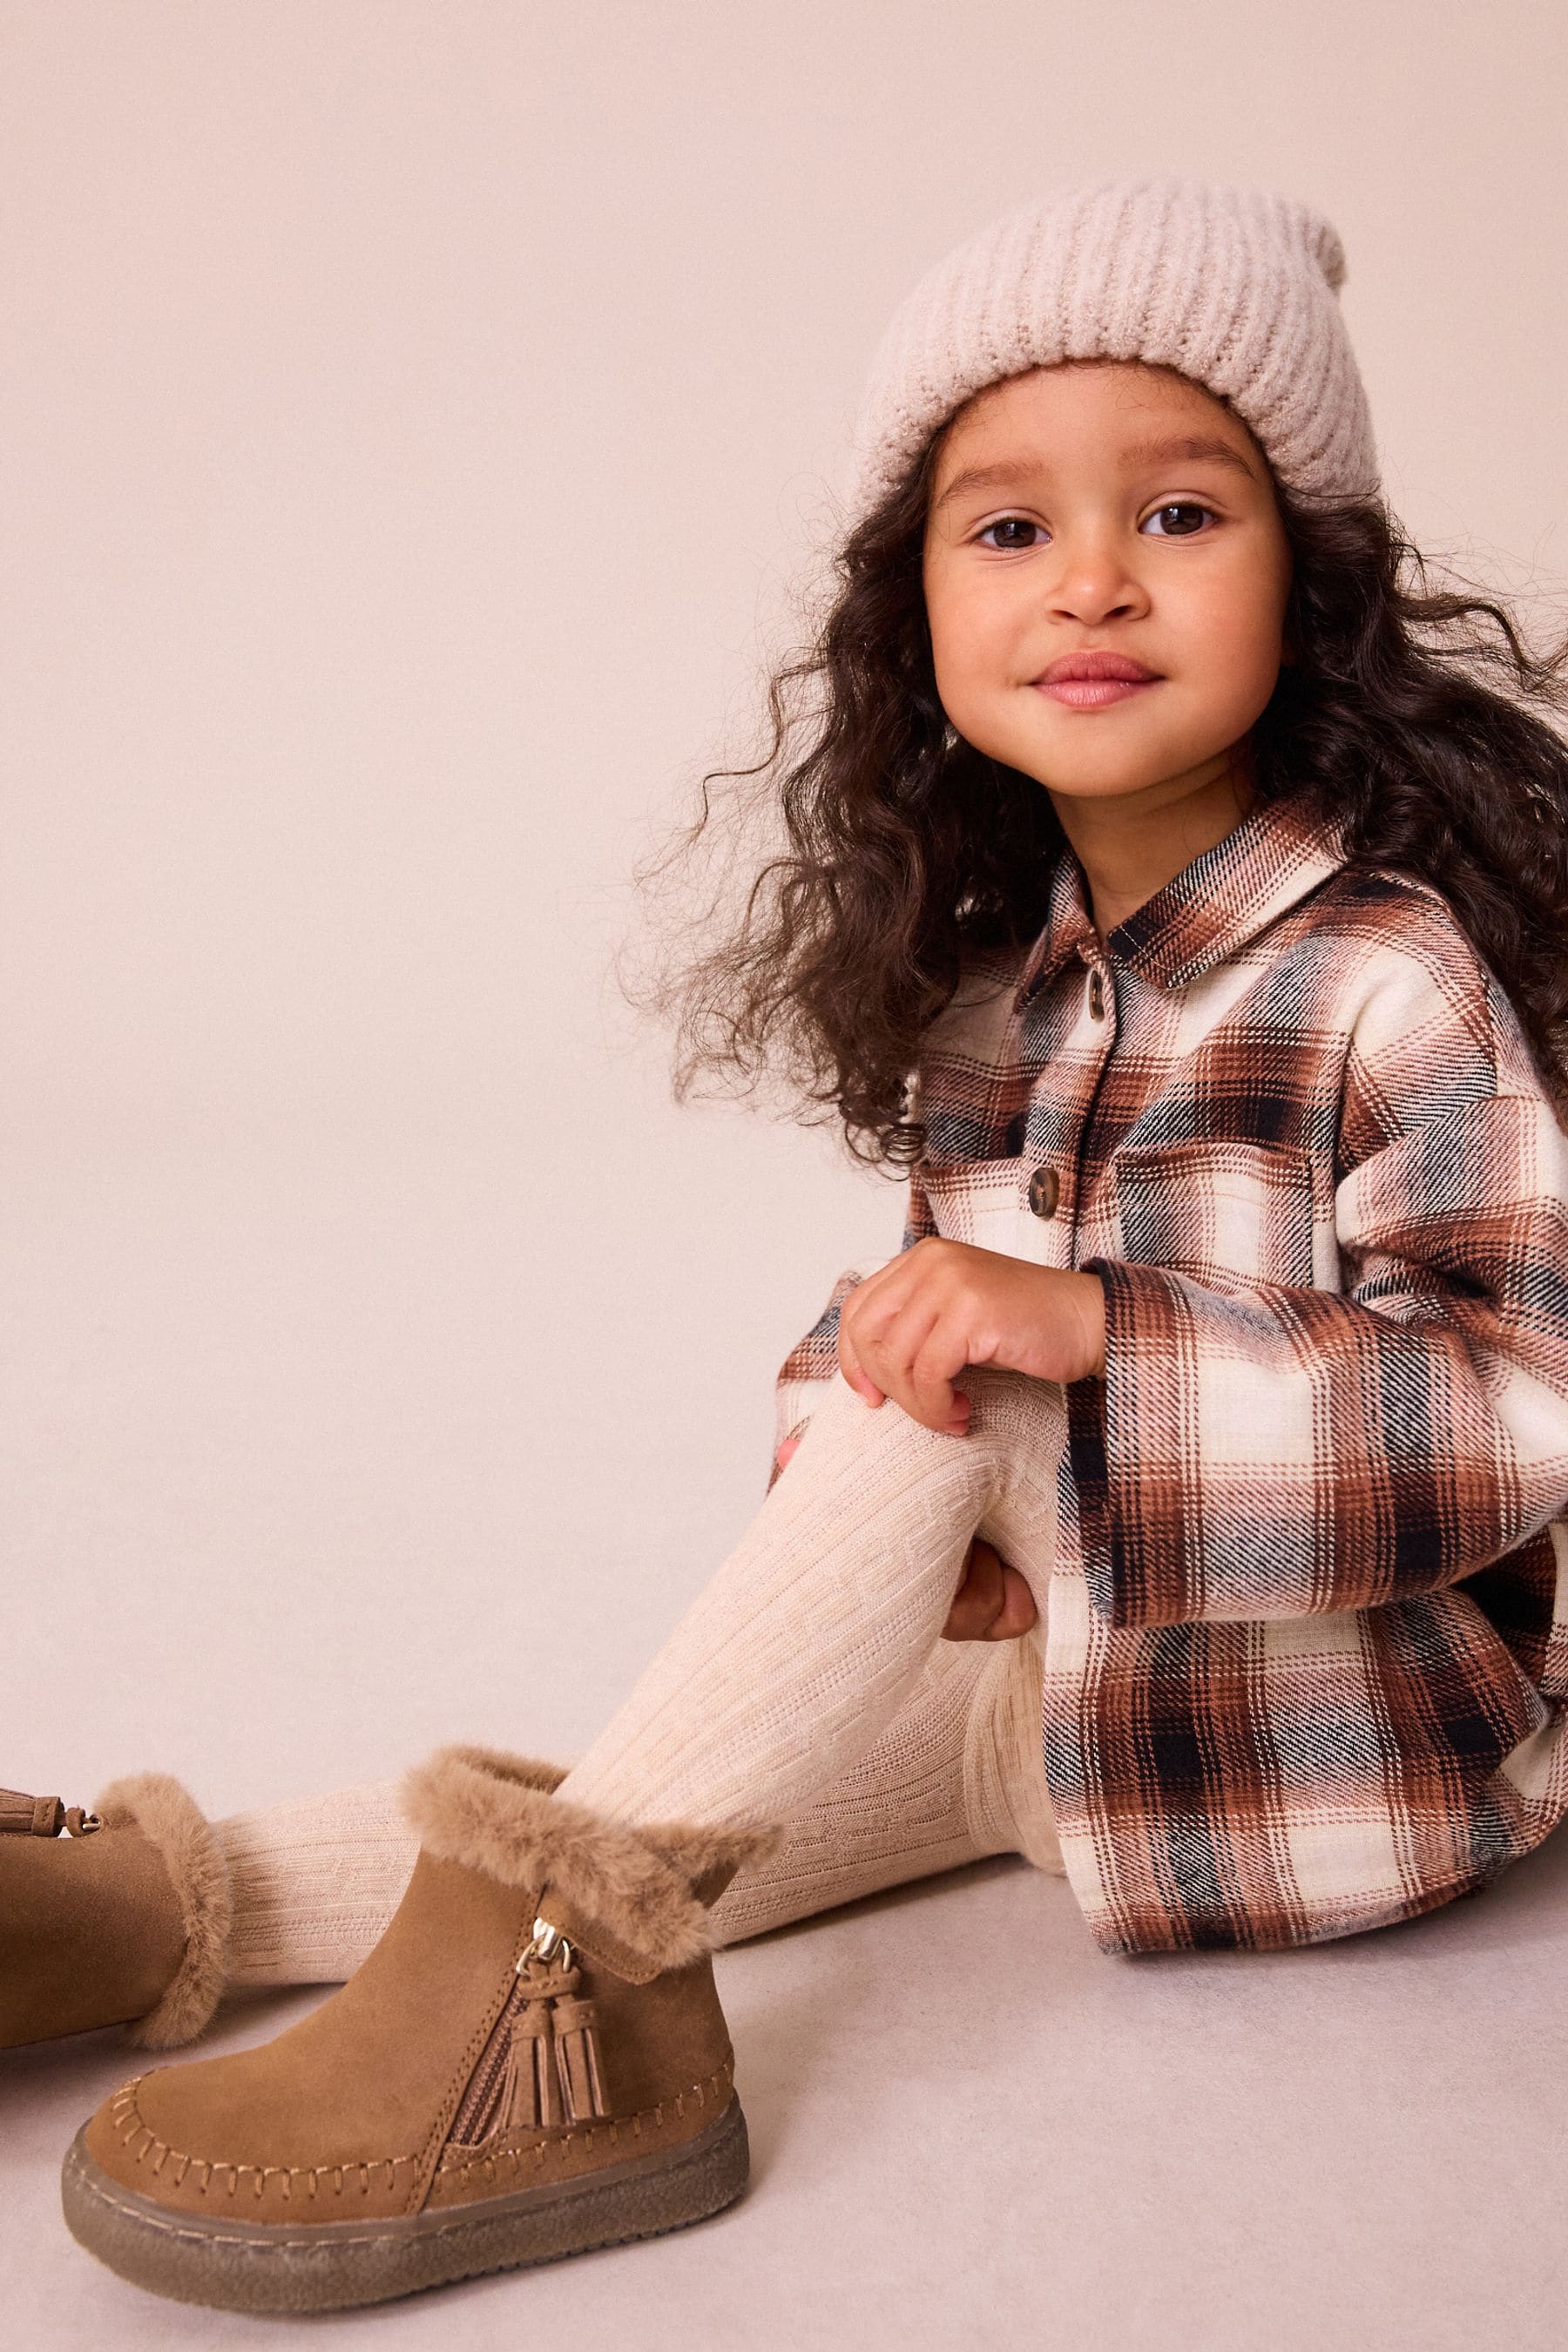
[(1045, 1191), (1095, 996)]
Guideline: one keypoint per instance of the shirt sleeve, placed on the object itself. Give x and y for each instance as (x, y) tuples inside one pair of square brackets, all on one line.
[(1271, 1451), (813, 1361)]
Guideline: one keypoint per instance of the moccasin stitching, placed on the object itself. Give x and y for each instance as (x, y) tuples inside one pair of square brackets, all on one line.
[(123, 2108), (205, 2235), (451, 2166), (580, 2134)]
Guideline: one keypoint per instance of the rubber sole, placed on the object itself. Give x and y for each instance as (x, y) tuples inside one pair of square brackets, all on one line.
[(268, 2267)]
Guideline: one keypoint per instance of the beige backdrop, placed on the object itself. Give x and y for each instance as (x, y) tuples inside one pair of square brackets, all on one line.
[(416, 415), (415, 419)]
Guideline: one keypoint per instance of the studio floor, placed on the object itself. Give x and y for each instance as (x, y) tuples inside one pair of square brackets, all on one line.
[(969, 2127), (252, 1405)]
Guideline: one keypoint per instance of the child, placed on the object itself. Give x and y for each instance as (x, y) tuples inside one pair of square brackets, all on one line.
[(1211, 877)]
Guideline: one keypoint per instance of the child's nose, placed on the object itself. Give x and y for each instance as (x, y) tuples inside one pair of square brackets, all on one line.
[(1094, 585)]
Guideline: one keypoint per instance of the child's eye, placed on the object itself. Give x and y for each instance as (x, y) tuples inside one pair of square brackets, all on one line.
[(1180, 519), (1012, 523)]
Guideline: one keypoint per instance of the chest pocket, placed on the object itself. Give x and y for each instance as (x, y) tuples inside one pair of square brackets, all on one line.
[(1211, 1208)]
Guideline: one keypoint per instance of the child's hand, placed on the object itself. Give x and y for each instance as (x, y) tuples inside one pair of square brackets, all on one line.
[(907, 1331), (993, 1603)]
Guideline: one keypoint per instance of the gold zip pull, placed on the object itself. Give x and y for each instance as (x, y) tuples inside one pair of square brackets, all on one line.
[(544, 1944)]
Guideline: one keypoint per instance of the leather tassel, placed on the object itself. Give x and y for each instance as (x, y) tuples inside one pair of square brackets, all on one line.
[(577, 2057), (553, 2072), (30, 1816), (531, 2097), (43, 1816)]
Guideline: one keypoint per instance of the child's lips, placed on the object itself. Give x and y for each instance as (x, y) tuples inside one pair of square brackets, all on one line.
[(1091, 677), (1093, 693)]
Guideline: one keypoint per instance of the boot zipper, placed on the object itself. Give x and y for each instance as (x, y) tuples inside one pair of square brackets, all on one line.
[(540, 2065)]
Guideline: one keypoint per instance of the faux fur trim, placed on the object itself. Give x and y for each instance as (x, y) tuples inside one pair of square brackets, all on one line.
[(498, 1813), (169, 1818)]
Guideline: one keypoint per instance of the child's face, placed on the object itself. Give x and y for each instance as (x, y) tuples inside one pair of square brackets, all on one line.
[(1099, 529)]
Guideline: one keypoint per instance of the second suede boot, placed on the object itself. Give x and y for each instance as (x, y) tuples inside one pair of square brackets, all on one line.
[(123, 1920), (532, 2062)]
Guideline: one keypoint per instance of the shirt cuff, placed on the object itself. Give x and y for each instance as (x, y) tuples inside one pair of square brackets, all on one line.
[(1126, 1451)]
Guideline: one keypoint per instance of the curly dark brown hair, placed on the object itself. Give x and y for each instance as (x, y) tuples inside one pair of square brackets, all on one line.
[(1418, 712)]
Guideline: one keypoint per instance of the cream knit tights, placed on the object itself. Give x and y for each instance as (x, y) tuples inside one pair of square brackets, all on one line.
[(807, 1683)]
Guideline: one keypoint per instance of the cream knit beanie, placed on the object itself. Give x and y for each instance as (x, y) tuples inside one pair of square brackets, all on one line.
[(1236, 288)]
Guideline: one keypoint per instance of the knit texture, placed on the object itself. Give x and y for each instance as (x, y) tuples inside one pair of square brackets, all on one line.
[(314, 1882), (956, 1775), (1236, 288), (816, 1630), (807, 1682)]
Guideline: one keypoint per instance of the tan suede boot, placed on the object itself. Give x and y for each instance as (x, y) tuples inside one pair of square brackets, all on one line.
[(531, 2063), (122, 1920)]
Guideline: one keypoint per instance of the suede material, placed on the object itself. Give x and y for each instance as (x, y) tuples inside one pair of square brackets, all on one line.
[(655, 2040), (668, 2069), (91, 1933), (368, 2082), (596, 1943), (543, 2159), (348, 2114)]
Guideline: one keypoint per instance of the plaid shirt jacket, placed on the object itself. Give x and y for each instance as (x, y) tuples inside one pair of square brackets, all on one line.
[(1306, 1658)]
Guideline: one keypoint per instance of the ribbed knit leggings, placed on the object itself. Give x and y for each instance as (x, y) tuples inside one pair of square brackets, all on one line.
[(808, 1684)]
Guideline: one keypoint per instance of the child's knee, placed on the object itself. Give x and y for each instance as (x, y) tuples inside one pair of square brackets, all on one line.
[(1015, 1414)]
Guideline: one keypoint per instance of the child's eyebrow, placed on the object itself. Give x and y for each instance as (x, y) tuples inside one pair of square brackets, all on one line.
[(1190, 447), (1009, 474), (1000, 477)]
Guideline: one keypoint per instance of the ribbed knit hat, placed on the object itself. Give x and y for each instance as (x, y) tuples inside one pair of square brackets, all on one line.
[(1234, 287)]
